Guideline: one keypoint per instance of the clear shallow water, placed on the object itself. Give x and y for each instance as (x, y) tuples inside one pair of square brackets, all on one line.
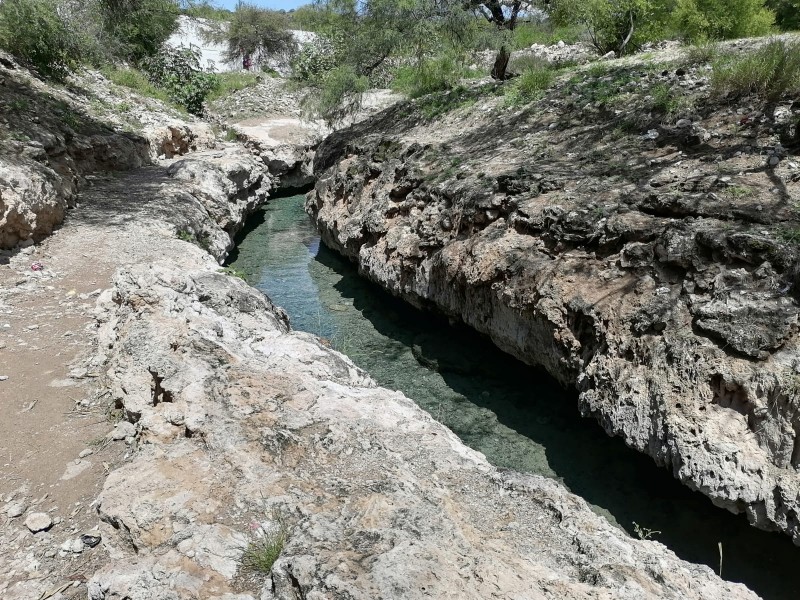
[(516, 415)]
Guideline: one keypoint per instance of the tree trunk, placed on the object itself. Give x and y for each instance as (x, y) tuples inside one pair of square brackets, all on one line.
[(501, 64)]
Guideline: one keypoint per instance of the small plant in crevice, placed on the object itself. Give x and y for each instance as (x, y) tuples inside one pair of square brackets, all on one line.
[(644, 533), (261, 553), (234, 272), (187, 236)]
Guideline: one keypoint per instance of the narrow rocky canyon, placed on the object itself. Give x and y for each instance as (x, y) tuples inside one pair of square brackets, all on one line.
[(167, 422)]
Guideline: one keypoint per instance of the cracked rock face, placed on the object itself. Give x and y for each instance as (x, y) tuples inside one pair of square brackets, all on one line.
[(242, 425), (651, 272)]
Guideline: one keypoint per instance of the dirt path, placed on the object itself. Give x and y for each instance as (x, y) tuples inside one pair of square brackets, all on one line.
[(53, 451)]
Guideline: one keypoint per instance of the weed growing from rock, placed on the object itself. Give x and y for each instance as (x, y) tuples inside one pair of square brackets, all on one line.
[(262, 553)]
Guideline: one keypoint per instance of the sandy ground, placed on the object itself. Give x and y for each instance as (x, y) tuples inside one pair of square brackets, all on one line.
[(53, 414)]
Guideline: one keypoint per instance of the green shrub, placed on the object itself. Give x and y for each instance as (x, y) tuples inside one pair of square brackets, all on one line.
[(787, 13), (33, 31), (136, 29), (231, 82), (432, 75), (204, 9), (178, 73), (722, 19), (317, 57), (770, 71), (620, 26), (337, 94)]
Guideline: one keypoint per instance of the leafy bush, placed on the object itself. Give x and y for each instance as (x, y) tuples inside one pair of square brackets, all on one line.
[(33, 31), (204, 9), (136, 29), (178, 72), (787, 13), (317, 57), (770, 71), (432, 75), (338, 94), (722, 19)]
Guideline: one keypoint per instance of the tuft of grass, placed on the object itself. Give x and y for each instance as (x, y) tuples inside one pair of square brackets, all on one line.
[(529, 86), (234, 272), (230, 83), (739, 191), (790, 235), (702, 53), (770, 71), (261, 554), (527, 34), (433, 75), (667, 101), (434, 105), (137, 81)]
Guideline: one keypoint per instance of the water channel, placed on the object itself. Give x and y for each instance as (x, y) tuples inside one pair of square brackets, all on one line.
[(514, 414)]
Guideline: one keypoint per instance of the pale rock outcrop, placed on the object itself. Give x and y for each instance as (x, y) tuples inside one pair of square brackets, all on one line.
[(653, 272), (242, 424)]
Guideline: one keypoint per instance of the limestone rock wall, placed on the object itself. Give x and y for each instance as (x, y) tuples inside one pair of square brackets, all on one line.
[(652, 272)]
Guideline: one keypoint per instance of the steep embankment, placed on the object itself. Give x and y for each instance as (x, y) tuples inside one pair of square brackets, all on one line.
[(629, 232)]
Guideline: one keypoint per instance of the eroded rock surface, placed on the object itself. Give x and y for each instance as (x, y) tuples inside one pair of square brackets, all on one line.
[(642, 257), (51, 139), (240, 423)]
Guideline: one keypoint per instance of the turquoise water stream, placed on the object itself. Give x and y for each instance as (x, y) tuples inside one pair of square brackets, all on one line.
[(514, 414)]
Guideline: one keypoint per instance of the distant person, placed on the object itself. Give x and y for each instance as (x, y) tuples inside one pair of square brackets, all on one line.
[(246, 62)]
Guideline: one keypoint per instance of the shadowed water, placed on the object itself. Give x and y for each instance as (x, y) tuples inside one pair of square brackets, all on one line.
[(514, 414)]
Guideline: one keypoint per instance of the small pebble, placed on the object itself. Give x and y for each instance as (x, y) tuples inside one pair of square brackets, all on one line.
[(15, 510)]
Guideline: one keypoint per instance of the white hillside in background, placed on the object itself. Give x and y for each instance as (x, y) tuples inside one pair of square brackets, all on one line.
[(191, 34)]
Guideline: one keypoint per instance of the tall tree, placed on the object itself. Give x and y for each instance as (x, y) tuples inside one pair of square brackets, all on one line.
[(256, 33), (136, 29)]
